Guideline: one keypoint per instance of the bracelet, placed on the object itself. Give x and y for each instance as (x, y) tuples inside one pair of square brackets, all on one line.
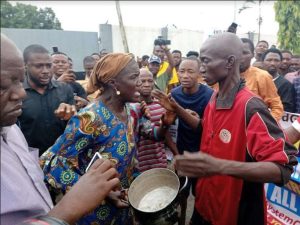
[(296, 125)]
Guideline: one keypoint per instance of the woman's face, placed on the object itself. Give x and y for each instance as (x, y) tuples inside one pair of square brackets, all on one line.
[(128, 83)]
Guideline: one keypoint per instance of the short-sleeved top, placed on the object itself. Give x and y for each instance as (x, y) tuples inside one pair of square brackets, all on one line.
[(240, 128), (38, 122), (23, 191), (189, 139)]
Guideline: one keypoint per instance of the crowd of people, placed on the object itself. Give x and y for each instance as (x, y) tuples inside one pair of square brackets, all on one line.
[(212, 117)]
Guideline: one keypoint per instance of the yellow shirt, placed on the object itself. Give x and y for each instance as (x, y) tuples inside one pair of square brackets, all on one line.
[(163, 67), (260, 82)]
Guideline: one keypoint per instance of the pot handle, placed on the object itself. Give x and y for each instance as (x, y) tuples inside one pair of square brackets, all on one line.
[(184, 185)]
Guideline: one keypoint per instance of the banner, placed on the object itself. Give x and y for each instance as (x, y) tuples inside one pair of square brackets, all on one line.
[(283, 203)]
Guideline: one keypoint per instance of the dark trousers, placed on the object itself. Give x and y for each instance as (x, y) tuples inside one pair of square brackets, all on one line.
[(197, 219)]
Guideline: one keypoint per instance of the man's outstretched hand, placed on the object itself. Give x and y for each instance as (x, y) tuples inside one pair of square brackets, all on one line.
[(164, 100), (88, 193), (65, 111)]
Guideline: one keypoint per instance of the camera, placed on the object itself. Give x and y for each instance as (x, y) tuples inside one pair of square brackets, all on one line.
[(232, 28), (161, 41), (55, 49)]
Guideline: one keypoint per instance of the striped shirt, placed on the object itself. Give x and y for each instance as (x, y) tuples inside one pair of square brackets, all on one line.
[(152, 154)]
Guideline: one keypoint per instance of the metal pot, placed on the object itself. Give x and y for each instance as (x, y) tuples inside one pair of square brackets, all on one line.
[(149, 181)]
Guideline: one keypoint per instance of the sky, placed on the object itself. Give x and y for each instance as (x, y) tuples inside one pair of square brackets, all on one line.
[(204, 16)]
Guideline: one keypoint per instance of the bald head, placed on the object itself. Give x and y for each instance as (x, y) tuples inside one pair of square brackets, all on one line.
[(12, 74), (145, 72), (9, 53), (224, 45), (220, 58)]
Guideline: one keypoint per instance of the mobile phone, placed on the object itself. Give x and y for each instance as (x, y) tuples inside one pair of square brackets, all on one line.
[(234, 25), (55, 49), (94, 159)]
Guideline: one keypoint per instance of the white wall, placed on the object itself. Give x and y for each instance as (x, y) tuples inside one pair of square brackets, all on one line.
[(140, 40)]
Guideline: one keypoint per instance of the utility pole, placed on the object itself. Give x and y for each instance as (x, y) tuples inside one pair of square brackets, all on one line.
[(259, 18), (234, 11), (122, 29)]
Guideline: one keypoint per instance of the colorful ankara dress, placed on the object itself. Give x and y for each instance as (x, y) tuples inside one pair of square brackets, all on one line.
[(94, 128)]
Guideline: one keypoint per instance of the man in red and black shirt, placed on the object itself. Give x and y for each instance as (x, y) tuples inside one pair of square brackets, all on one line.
[(242, 146)]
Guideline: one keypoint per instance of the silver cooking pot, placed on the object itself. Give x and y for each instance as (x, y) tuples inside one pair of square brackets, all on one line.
[(148, 181)]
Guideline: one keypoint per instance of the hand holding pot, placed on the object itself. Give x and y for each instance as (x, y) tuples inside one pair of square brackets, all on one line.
[(119, 198)]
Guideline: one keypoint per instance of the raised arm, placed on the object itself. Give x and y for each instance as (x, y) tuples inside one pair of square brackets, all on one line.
[(170, 60), (170, 104)]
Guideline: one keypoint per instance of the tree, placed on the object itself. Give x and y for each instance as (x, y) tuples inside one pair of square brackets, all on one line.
[(28, 16), (287, 14)]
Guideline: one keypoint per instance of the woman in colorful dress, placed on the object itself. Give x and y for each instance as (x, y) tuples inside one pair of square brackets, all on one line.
[(108, 126)]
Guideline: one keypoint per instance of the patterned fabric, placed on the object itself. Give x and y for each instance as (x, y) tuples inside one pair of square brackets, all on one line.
[(95, 129), (297, 89), (151, 153)]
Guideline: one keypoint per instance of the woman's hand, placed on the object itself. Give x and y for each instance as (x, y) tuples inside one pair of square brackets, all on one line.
[(119, 198)]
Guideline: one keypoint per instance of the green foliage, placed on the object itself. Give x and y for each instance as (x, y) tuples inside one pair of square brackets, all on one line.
[(287, 14), (28, 16)]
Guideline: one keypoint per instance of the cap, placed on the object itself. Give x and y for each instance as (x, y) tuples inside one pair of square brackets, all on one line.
[(154, 58)]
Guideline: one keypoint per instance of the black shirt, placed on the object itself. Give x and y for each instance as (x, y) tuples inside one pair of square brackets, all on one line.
[(286, 92), (38, 123), (78, 90)]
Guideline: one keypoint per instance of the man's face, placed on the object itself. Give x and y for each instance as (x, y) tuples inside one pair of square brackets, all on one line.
[(295, 65), (213, 67), (272, 62), (176, 58), (145, 62), (11, 90), (147, 83), (154, 68), (88, 67), (261, 48), (188, 73), (60, 64), (158, 51), (246, 58), (286, 59), (39, 69)]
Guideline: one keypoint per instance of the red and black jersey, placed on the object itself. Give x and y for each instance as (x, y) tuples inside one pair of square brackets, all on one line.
[(239, 128)]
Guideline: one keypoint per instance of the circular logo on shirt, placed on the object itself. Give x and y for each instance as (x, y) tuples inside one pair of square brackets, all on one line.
[(225, 136)]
